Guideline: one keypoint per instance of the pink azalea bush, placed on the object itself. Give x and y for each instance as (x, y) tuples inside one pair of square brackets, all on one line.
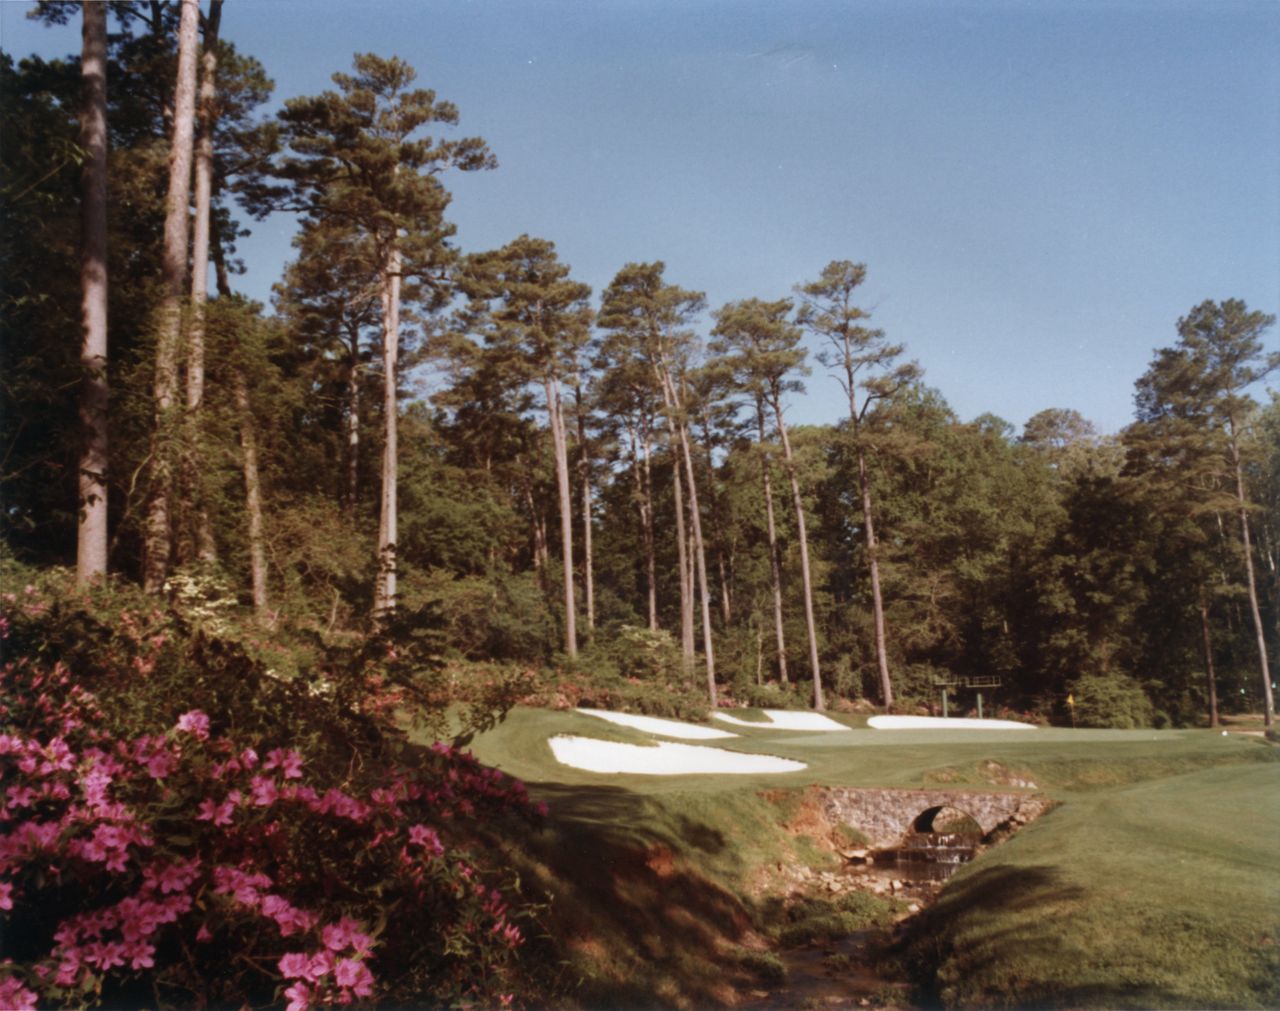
[(263, 845)]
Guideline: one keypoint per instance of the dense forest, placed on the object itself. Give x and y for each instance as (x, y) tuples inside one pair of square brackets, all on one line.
[(604, 484)]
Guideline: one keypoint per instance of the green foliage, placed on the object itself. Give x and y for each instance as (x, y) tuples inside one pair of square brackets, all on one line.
[(499, 617), (1111, 700), (182, 722), (770, 696), (643, 654), (814, 920), (764, 965)]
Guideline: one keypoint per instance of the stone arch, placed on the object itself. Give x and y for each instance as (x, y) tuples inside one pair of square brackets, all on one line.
[(924, 821)]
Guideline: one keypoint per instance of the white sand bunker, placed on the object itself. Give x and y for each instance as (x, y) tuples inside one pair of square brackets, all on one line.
[(653, 725), (941, 723), (662, 759), (785, 719)]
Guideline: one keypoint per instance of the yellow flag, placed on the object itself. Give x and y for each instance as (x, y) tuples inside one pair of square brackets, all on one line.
[(1071, 701)]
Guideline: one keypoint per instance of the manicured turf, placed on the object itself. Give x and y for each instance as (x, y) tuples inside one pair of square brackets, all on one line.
[(1163, 894), (1153, 884), (1055, 760)]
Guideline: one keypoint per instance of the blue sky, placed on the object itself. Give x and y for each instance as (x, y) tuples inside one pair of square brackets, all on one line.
[(1039, 190)]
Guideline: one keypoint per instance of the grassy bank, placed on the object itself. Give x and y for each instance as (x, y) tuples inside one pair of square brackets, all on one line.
[(1163, 894), (1151, 885)]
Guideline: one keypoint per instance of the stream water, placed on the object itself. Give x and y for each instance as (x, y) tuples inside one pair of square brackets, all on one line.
[(846, 973)]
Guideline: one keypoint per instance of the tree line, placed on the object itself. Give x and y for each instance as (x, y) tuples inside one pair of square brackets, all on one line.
[(587, 463)]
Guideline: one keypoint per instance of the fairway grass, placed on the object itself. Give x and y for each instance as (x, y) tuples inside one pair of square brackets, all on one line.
[(1153, 883)]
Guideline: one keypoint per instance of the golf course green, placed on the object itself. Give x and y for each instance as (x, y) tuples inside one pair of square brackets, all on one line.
[(1153, 882)]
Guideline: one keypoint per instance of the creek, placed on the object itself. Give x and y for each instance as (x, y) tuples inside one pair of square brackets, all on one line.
[(849, 972)]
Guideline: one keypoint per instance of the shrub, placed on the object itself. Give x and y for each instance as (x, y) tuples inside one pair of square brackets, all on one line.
[(770, 696), (645, 654), (1111, 700), (178, 825)]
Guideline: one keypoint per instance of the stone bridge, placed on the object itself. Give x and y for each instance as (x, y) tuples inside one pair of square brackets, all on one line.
[(885, 816)]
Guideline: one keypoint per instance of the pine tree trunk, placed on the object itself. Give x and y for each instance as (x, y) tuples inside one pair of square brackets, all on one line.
[(537, 536), (555, 413), (775, 563), (722, 566), (353, 423), (1211, 680), (385, 592), (248, 464), (811, 626), (91, 547), (700, 560), (1269, 715), (206, 548), (252, 495), (584, 465), (682, 557), (644, 494), (158, 537), (873, 563)]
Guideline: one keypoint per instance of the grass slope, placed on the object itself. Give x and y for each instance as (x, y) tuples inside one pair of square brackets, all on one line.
[(1152, 885), (1162, 894)]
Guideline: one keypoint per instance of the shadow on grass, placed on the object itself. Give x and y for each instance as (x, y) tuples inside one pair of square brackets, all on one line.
[(630, 911), (981, 943)]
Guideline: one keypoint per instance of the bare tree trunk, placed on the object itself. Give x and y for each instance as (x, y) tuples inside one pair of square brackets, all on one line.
[(248, 464), (722, 567), (385, 591), (158, 539), (1268, 699), (682, 554), (555, 413), (811, 626), (538, 535), (644, 505), (252, 495), (775, 563), (726, 588), (700, 559), (353, 422), (91, 544), (873, 563), (1211, 680), (584, 465), (206, 548)]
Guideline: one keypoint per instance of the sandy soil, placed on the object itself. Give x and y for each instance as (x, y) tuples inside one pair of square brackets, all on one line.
[(664, 728), (664, 758)]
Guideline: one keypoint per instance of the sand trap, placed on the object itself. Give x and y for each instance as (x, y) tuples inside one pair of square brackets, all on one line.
[(653, 725), (939, 723), (662, 759), (785, 719)]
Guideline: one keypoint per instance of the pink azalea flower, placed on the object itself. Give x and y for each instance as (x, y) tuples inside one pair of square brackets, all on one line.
[(288, 762), (421, 835), (6, 897), (194, 723), (141, 955), (264, 791), (299, 997), (352, 973), (16, 996), (293, 965)]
